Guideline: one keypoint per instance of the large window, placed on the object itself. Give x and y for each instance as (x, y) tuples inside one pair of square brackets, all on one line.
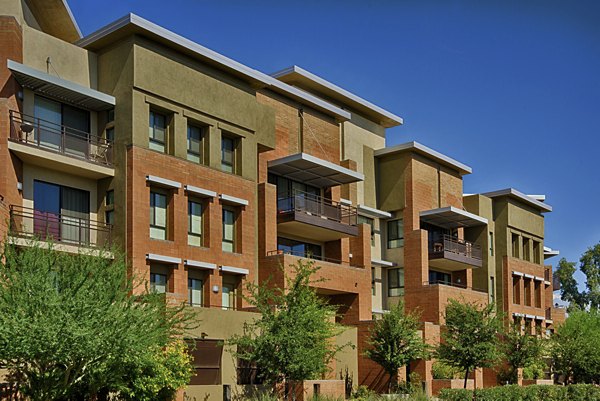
[(371, 223), (516, 290), (228, 154), (228, 242), (195, 291), (194, 223), (228, 295), (538, 293), (515, 245), (436, 277), (195, 148), (158, 215), (395, 282), (527, 286), (395, 234), (158, 282), (158, 132), (287, 189), (299, 248), (537, 256), (526, 249)]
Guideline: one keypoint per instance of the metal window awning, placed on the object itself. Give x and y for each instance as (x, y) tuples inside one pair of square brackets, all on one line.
[(451, 217), (313, 171), (60, 89)]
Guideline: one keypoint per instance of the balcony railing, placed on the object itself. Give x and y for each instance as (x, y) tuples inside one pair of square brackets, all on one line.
[(448, 243), (450, 284), (316, 205), (308, 255), (45, 226), (61, 139)]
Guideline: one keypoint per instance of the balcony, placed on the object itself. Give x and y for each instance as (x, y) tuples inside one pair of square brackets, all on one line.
[(452, 254), (59, 147), (312, 216), (73, 232)]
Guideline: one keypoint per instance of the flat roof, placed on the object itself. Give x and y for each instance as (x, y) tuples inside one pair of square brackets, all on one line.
[(60, 88), (428, 152), (134, 24), (549, 252), (513, 193), (298, 76), (451, 217), (314, 171)]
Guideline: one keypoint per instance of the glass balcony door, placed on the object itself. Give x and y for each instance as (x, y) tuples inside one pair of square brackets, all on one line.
[(48, 116)]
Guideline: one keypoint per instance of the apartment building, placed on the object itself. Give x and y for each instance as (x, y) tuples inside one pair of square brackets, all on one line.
[(210, 175)]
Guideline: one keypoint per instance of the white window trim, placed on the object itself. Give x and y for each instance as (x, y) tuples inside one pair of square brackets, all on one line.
[(201, 192), (233, 200), (234, 270), (199, 264), (163, 182), (162, 258)]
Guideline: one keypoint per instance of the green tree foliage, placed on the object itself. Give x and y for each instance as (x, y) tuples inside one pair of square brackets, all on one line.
[(395, 342), (576, 392), (293, 339), (589, 264), (576, 347), (69, 324), (521, 349), (470, 337)]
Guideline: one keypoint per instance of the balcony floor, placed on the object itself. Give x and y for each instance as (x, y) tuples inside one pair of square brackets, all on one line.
[(315, 227), (452, 261)]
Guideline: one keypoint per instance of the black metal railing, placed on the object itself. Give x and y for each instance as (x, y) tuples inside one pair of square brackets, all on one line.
[(318, 206), (308, 255), (61, 139), (452, 284), (45, 226), (448, 243)]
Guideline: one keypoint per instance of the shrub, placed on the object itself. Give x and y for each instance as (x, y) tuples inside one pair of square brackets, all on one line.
[(441, 370), (577, 392), (534, 371)]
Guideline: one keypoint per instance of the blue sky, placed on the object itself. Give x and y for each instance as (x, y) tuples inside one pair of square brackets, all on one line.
[(510, 88)]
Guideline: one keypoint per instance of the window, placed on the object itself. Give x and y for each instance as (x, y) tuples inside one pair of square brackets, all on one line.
[(206, 361), (195, 291), (110, 134), (228, 242), (373, 281), (110, 198), (395, 282), (195, 137), (158, 215), (228, 295), (110, 115), (492, 290), (526, 252), (288, 190), (395, 233), (515, 245), (436, 277), (158, 283), (527, 285), (158, 132), (228, 154), (109, 217), (371, 223), (299, 248), (516, 290), (537, 252), (491, 243), (194, 223), (538, 294)]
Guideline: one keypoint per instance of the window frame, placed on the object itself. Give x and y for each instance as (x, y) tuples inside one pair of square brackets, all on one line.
[(153, 226), (152, 282), (152, 126), (224, 240), (398, 240), (190, 298), (201, 136), (396, 290), (234, 145), (190, 233)]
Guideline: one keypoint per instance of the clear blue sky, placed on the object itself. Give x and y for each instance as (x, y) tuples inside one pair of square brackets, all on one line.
[(508, 88)]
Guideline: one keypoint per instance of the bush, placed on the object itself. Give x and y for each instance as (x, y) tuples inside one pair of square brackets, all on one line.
[(576, 392), (441, 370), (534, 371)]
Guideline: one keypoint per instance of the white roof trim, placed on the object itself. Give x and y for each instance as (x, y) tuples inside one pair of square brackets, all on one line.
[(372, 212), (462, 168), (447, 216), (268, 81), (163, 181), (234, 270), (381, 262), (200, 191), (75, 24), (60, 88), (515, 273), (342, 92), (521, 196), (200, 265), (540, 198), (233, 200), (549, 252), (162, 259)]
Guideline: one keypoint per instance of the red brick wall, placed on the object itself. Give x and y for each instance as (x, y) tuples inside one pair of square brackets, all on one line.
[(142, 162)]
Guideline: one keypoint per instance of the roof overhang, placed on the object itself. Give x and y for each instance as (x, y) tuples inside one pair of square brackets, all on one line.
[(427, 152), (55, 18), (299, 77), (549, 252), (313, 171), (513, 193), (451, 217), (132, 24), (59, 88)]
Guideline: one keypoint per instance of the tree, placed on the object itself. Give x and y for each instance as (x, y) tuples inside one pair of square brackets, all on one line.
[(590, 266), (292, 340), (395, 341), (470, 337), (70, 324), (521, 349), (576, 347)]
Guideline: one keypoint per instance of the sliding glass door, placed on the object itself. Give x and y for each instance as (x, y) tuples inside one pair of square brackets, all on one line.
[(48, 119)]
